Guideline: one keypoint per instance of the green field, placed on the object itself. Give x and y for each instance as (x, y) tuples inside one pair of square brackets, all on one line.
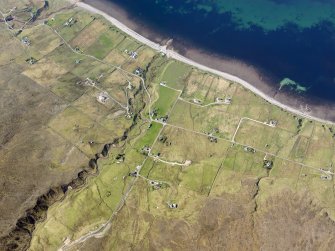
[(150, 135), (165, 101), (174, 74), (104, 44), (205, 119)]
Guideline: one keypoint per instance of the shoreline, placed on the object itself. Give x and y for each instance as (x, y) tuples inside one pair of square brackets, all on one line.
[(193, 57)]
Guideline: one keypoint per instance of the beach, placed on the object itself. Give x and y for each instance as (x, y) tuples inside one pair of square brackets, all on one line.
[(233, 70)]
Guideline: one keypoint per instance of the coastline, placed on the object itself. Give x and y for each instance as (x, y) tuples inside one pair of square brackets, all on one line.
[(239, 72)]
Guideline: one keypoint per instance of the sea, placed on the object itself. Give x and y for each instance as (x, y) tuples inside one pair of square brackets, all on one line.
[(292, 41)]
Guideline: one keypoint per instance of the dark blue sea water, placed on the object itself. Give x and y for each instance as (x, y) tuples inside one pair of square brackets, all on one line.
[(292, 39)]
